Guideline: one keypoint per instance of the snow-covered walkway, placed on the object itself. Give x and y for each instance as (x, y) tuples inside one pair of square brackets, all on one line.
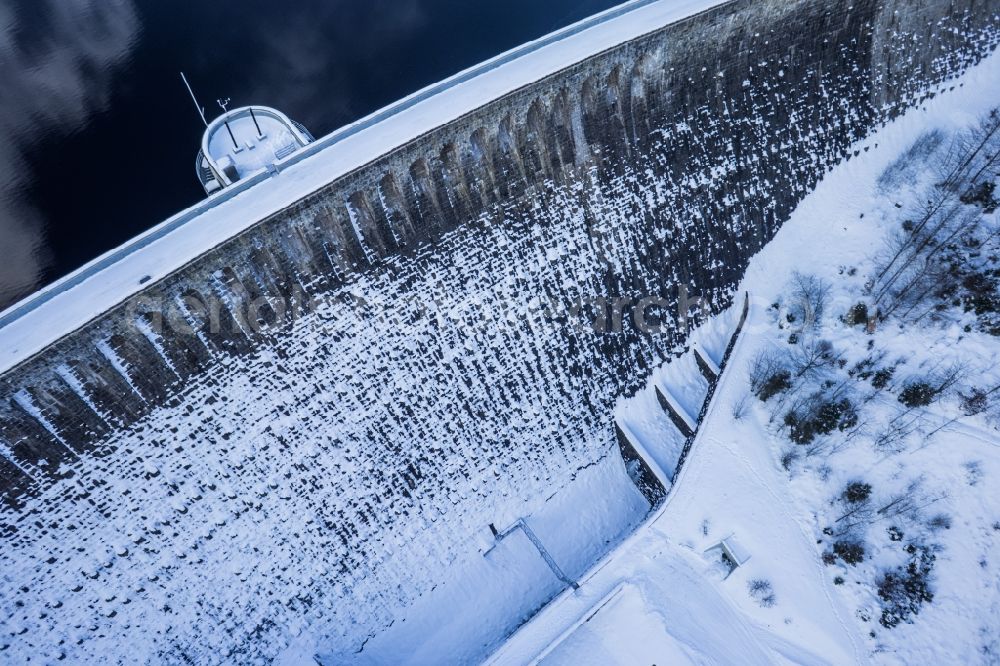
[(729, 484)]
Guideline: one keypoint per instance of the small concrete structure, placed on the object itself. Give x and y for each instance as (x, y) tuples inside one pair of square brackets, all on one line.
[(732, 553), (520, 524), (244, 141)]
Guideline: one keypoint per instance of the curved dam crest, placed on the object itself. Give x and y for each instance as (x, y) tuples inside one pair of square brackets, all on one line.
[(304, 428)]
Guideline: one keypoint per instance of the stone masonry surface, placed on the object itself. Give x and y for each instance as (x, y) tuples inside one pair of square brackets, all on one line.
[(175, 493)]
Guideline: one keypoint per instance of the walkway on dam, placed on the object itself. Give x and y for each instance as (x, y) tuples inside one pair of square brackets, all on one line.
[(56, 310)]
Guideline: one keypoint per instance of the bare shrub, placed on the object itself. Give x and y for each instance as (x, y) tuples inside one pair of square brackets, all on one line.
[(980, 293), (769, 374), (761, 591), (974, 403), (981, 194), (904, 590), (973, 472), (881, 378), (857, 315), (813, 356), (990, 644), (740, 407), (938, 522), (926, 390), (849, 550), (820, 414), (979, 400), (788, 459), (856, 492), (918, 394)]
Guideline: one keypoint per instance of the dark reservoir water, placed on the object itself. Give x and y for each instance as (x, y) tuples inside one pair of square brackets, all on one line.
[(98, 135)]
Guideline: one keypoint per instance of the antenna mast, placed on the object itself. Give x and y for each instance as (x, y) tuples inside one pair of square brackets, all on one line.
[(201, 109), (224, 103)]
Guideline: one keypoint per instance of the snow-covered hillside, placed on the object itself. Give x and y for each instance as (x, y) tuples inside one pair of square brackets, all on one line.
[(871, 534), (898, 492)]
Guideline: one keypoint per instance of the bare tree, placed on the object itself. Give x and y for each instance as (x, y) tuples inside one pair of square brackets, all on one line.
[(908, 503), (925, 276), (812, 356), (857, 502), (893, 436), (764, 367), (912, 270), (861, 429), (808, 300), (946, 378)]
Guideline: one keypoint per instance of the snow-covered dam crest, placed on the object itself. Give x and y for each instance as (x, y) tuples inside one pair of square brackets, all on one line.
[(307, 429)]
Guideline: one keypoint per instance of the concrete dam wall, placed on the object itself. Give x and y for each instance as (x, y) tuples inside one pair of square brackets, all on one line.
[(307, 426)]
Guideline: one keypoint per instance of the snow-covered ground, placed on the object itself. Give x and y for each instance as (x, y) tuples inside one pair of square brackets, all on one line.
[(660, 596), (492, 591)]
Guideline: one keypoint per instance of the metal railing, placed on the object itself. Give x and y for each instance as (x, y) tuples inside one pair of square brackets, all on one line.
[(205, 173)]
